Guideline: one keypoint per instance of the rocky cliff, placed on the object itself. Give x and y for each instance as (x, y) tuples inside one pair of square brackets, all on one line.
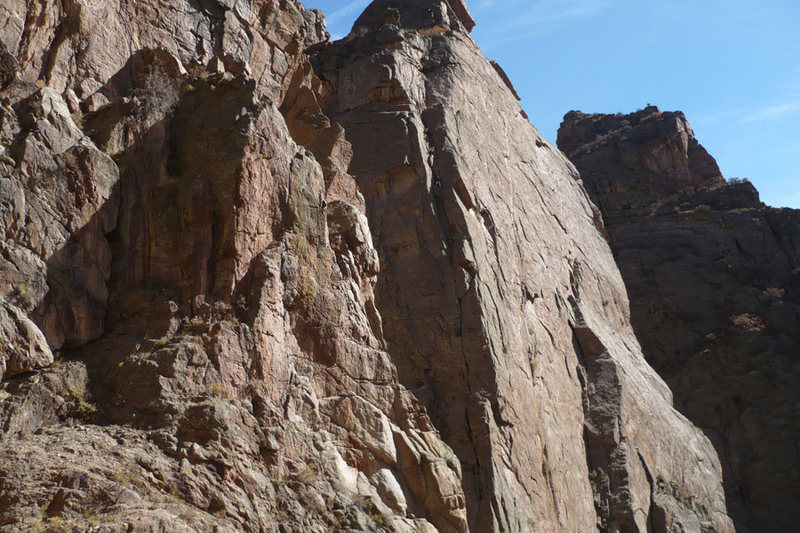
[(256, 281), (714, 280), (500, 299)]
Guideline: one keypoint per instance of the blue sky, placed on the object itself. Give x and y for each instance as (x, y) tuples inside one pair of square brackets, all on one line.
[(732, 66)]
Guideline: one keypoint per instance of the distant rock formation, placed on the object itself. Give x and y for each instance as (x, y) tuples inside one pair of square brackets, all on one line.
[(714, 280)]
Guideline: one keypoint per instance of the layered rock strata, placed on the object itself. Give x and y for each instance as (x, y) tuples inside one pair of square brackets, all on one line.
[(193, 287), (714, 280), (504, 311)]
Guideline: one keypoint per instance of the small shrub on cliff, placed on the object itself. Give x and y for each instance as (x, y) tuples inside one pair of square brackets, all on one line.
[(161, 342), (374, 513), (158, 93), (52, 525), (128, 474), (23, 296), (430, 32), (83, 408), (748, 322), (218, 391), (773, 294)]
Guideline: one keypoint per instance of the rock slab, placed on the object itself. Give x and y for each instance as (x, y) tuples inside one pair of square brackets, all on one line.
[(503, 308)]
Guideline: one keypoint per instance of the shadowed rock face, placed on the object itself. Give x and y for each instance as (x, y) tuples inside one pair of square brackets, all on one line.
[(207, 208), (714, 280), (503, 309)]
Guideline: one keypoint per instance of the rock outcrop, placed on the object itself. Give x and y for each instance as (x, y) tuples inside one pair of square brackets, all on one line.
[(204, 280), (503, 309), (714, 280), (256, 281)]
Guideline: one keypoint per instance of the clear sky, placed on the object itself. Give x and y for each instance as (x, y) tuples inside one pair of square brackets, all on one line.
[(733, 66)]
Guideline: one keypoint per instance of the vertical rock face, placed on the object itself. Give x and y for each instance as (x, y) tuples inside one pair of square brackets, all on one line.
[(179, 227), (714, 281), (503, 309), (254, 281)]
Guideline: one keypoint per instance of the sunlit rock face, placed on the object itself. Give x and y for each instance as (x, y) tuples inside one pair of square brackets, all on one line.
[(255, 281), (503, 309), (714, 280), (180, 230)]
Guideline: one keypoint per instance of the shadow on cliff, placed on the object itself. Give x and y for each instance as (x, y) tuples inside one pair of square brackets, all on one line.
[(150, 252), (713, 277)]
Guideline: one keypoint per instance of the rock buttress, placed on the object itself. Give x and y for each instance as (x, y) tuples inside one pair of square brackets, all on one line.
[(504, 311), (190, 340), (714, 280)]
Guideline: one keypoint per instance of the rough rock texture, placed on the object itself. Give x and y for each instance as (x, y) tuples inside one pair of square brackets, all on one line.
[(193, 287), (503, 309), (204, 280), (24, 348), (714, 280)]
